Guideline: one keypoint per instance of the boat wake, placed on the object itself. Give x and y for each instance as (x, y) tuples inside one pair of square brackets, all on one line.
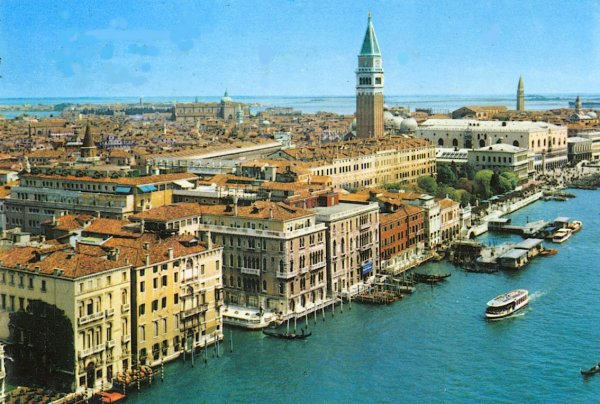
[(536, 295)]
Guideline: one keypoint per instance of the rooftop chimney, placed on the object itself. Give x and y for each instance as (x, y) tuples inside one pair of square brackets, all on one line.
[(147, 259), (170, 253), (209, 240)]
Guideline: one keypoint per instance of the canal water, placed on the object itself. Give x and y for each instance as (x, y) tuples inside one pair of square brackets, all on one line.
[(432, 346)]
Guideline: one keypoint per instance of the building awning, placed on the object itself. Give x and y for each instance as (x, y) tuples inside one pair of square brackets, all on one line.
[(184, 184), (147, 188), (123, 190)]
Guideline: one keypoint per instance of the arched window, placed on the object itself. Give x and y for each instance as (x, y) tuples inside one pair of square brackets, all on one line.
[(481, 143), (498, 141), (516, 143), (468, 144), (265, 286), (454, 142), (440, 142)]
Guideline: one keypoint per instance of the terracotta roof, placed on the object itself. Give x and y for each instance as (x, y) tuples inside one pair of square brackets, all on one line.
[(63, 257), (447, 203), (259, 210), (150, 179), (158, 249), (170, 212), (70, 222), (112, 227)]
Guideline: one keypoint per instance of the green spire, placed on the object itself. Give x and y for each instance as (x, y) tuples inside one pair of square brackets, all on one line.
[(370, 45)]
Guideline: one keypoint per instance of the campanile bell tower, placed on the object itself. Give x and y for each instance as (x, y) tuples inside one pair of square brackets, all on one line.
[(369, 87)]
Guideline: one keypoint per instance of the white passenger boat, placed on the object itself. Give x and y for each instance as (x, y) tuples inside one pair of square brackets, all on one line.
[(506, 304), (561, 235)]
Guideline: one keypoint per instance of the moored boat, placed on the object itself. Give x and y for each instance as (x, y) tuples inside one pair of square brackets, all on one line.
[(429, 278), (561, 235), (548, 251), (506, 304), (591, 371), (575, 226), (287, 335)]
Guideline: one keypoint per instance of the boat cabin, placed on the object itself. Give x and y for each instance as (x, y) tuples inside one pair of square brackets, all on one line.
[(533, 246), (513, 259)]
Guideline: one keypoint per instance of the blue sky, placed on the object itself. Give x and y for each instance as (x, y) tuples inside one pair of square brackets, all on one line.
[(164, 48)]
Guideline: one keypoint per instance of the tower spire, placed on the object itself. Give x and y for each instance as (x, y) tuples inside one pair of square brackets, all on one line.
[(369, 86), (520, 95), (370, 45)]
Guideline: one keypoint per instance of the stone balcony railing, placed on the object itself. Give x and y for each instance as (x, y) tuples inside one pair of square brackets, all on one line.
[(91, 317), (194, 311), (110, 312), (125, 308), (125, 338), (286, 274), (317, 265), (110, 344), (250, 271), (92, 350)]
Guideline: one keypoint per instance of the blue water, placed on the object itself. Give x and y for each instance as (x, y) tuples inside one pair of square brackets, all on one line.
[(340, 104), (433, 346)]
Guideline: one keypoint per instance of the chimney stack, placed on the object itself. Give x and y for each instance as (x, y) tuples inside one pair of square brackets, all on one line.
[(170, 253), (209, 240)]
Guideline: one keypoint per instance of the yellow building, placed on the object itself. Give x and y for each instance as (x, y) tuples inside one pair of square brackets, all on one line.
[(82, 302), (178, 294)]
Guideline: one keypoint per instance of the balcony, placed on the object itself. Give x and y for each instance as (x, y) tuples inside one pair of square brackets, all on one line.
[(125, 308), (91, 351), (125, 338), (110, 344), (194, 311), (286, 275), (365, 226), (250, 271), (110, 312), (91, 317), (317, 265)]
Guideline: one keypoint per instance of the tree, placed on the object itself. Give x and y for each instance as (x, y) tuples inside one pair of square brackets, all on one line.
[(464, 197), (464, 183), (445, 175), (495, 183), (481, 183), (512, 177), (41, 340), (428, 184), (469, 171)]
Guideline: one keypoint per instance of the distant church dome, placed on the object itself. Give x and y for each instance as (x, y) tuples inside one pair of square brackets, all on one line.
[(388, 117), (265, 123), (226, 98), (592, 115), (409, 125), (397, 122)]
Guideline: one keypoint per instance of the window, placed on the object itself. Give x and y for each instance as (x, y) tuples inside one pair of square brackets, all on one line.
[(164, 302), (142, 287), (142, 334), (164, 280), (155, 328), (176, 298), (154, 305), (155, 283), (142, 309), (175, 277)]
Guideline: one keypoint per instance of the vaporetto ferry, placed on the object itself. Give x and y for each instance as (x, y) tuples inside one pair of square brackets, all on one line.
[(507, 304)]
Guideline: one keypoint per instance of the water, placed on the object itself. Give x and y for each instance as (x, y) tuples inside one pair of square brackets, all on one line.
[(433, 346), (340, 104)]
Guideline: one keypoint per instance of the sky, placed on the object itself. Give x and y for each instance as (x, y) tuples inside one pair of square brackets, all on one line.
[(295, 48)]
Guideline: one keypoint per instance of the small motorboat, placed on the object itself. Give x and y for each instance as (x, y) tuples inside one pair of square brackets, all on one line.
[(548, 252), (591, 371), (575, 226), (287, 335)]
